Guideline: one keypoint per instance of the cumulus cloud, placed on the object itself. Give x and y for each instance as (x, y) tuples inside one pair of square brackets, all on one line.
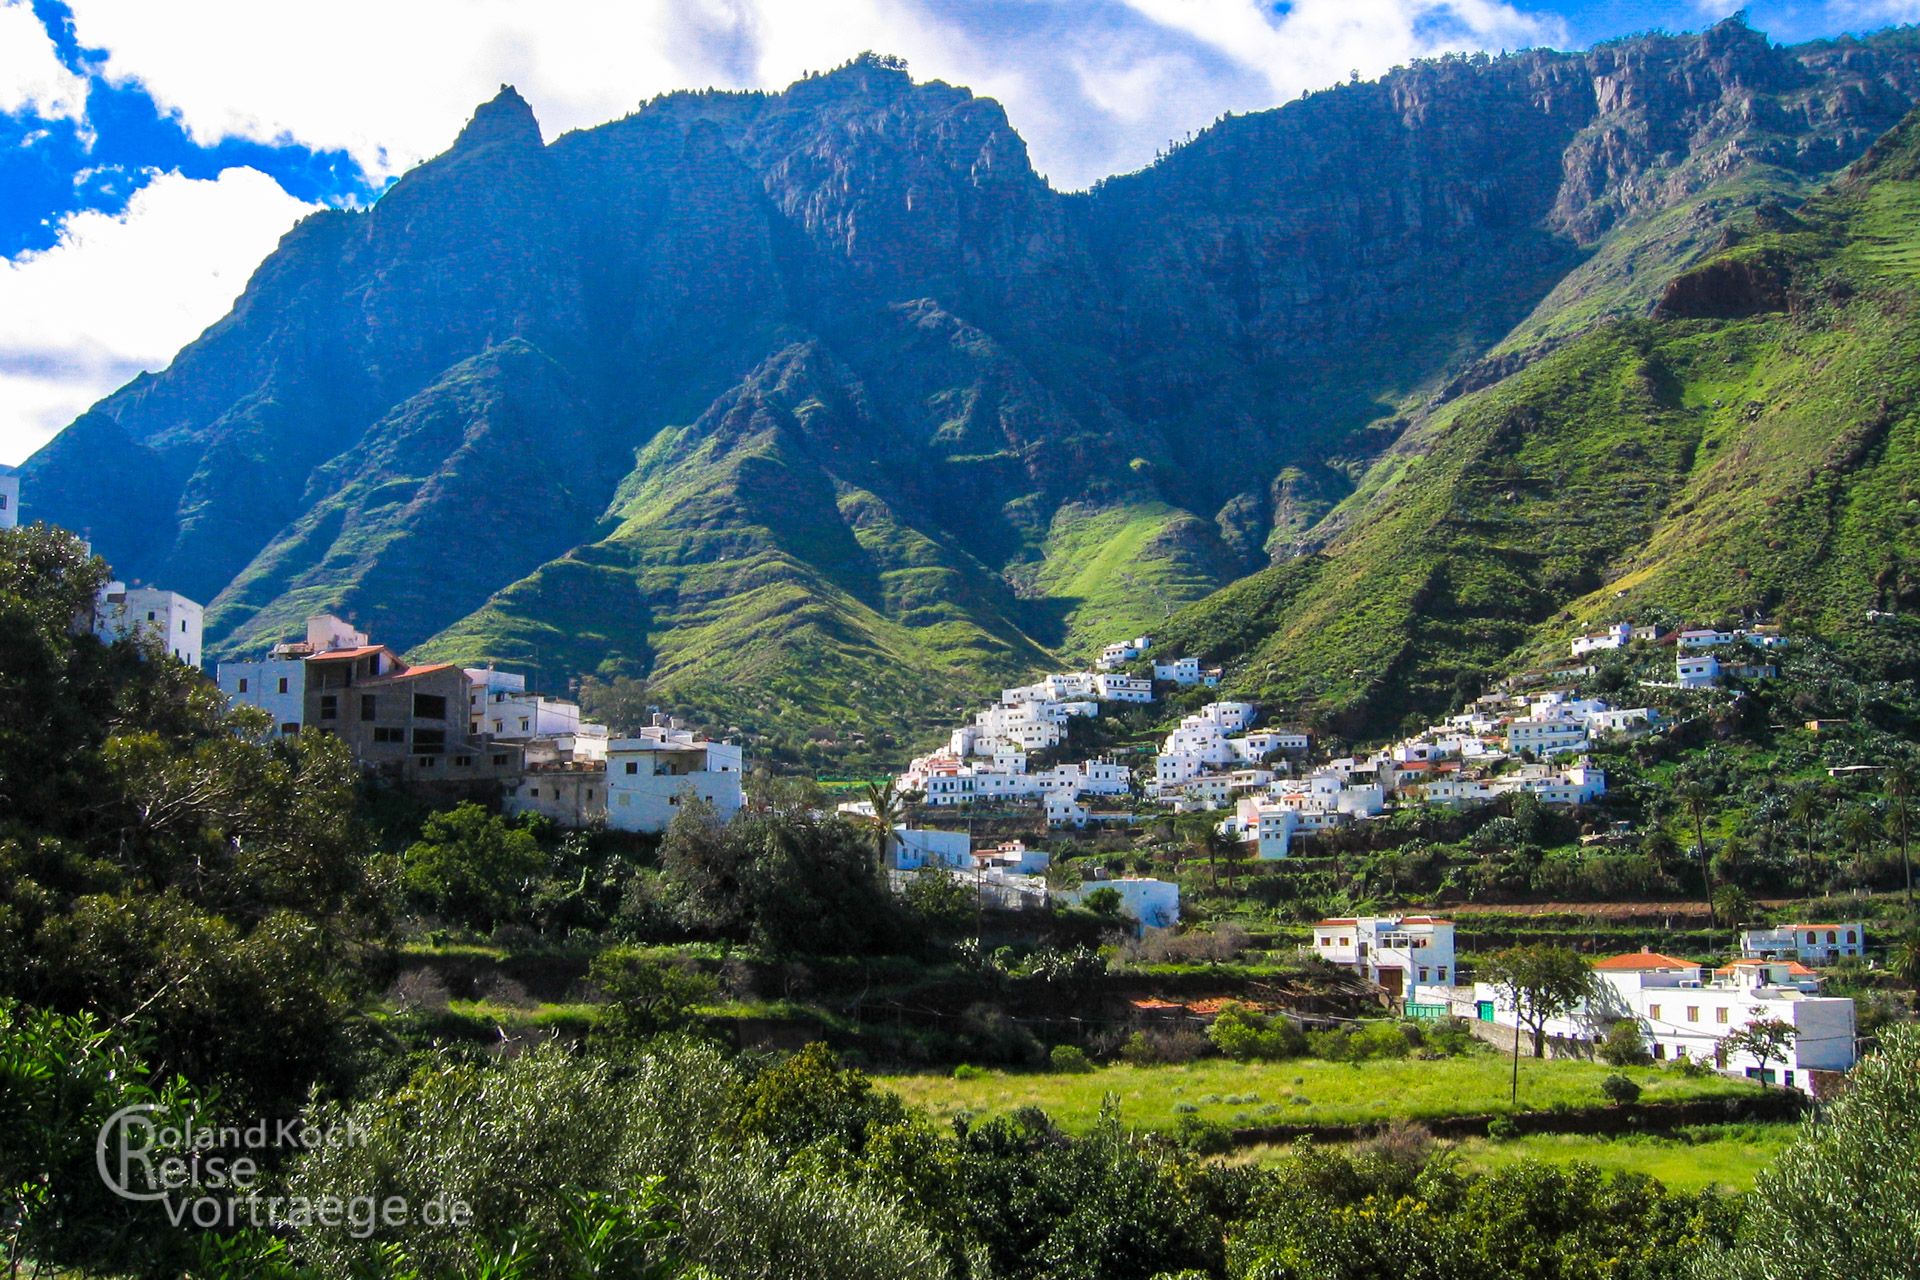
[(33, 81), (118, 294), (1093, 85)]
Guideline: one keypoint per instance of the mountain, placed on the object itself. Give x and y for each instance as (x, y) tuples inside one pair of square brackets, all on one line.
[(1751, 447), (820, 408)]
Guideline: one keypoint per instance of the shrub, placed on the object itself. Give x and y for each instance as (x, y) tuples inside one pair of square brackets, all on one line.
[(1502, 1129), (1069, 1059), (967, 1071), (1241, 1031), (1624, 1046), (1619, 1090), (1147, 1048), (1203, 1137)]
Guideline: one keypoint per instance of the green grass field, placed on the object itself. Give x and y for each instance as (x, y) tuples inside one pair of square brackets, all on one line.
[(1301, 1091), (1726, 1156)]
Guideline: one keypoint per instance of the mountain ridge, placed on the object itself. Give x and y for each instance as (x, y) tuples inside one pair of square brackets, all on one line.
[(834, 367)]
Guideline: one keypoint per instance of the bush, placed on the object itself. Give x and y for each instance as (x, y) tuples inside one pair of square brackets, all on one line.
[(1241, 1031), (1624, 1046), (967, 1071), (1149, 1048), (1069, 1059), (1619, 1090), (1501, 1129)]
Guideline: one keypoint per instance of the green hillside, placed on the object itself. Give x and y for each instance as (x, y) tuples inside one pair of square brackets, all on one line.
[(1750, 446)]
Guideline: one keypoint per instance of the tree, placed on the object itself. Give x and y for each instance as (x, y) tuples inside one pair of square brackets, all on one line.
[(1697, 799), (1840, 1202), (1624, 1045), (1803, 810), (1539, 983), (1899, 779), (472, 866), (643, 996), (1764, 1039)]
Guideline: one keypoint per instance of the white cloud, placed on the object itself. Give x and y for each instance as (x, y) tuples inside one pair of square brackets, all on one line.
[(117, 294), (1093, 85), (32, 77), (1868, 13)]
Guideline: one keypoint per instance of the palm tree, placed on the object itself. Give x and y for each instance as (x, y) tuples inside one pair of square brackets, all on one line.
[(1858, 828), (889, 810), (1696, 797), (1900, 788)]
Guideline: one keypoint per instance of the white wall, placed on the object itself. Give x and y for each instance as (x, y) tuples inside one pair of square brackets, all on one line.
[(648, 778), (277, 686)]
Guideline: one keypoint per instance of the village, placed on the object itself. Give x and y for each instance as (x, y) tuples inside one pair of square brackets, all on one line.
[(454, 732)]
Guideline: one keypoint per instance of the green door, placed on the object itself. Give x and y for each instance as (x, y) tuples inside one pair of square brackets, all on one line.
[(1485, 1009)]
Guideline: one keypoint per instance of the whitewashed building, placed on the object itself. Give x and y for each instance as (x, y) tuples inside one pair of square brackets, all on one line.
[(501, 708), (1265, 825), (1113, 688), (1154, 904), (1115, 656), (1180, 671), (909, 849), (1697, 671), (651, 774), (1617, 636), (167, 618), (9, 501), (1546, 735), (1399, 953), (1807, 943)]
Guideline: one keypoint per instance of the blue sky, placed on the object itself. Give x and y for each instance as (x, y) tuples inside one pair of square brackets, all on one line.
[(153, 151)]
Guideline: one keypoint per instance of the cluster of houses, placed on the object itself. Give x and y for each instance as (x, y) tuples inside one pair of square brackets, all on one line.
[(437, 723), (1705, 656), (1011, 874), (987, 760), (1682, 1009)]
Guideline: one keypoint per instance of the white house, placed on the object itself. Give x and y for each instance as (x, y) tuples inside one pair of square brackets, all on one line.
[(1684, 1012), (1697, 671), (909, 849), (1807, 943), (167, 617), (1629, 722), (1617, 636), (1119, 655), (1230, 716), (1064, 810), (1704, 638), (1155, 904), (1400, 953), (570, 794), (1180, 671), (648, 776), (9, 501)]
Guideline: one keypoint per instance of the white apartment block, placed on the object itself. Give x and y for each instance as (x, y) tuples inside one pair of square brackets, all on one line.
[(1113, 688), (1155, 904), (649, 775), (9, 501), (501, 707), (1807, 943), (1705, 638), (1546, 736), (1260, 744), (168, 618), (1400, 953)]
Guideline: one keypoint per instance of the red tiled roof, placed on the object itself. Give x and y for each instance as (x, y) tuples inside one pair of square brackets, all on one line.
[(342, 655), (1423, 920), (1793, 967), (1642, 961), (1344, 921)]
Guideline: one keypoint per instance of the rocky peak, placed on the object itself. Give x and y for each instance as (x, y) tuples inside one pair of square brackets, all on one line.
[(505, 119)]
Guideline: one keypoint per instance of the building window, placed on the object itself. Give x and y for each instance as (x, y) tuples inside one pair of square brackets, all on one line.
[(633, 766), (1832, 937), (367, 705), (392, 736), (1441, 973), (329, 707), (1693, 1013), (1849, 937), (1720, 1015), (500, 759), (1653, 1012), (589, 793), (463, 761), (673, 800), (289, 729), (243, 684), (183, 626), (428, 741), (534, 792), (283, 684), (150, 616), (1659, 1050), (429, 706)]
